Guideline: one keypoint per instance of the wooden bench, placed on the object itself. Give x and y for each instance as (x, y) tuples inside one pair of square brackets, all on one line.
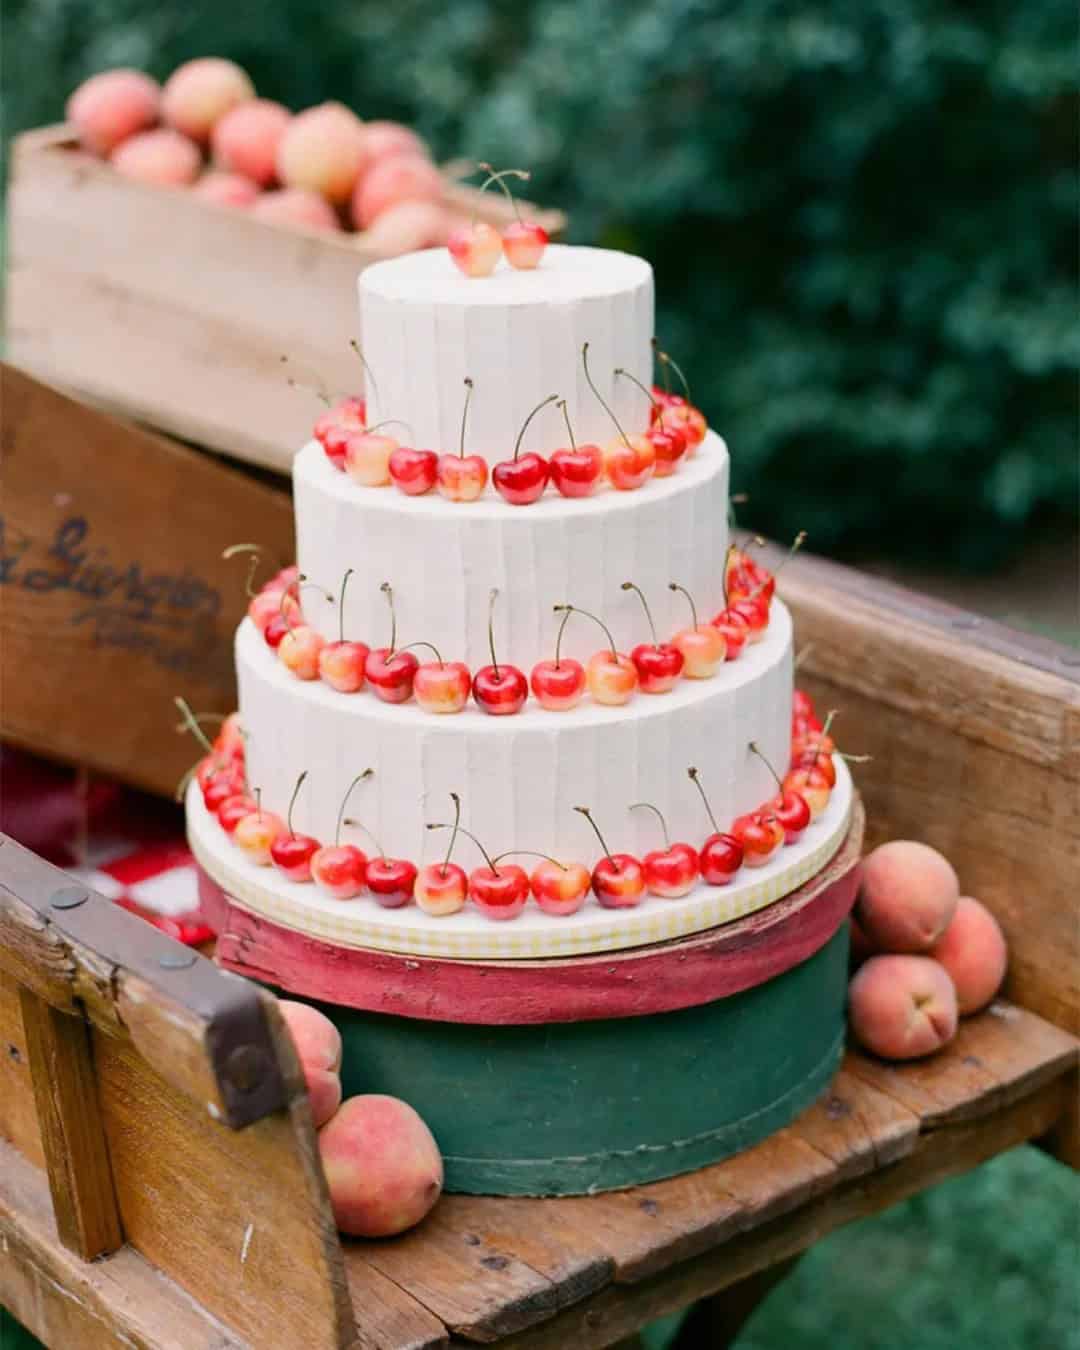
[(159, 1182)]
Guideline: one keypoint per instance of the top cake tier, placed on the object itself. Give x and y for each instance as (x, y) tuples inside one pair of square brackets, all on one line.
[(518, 335)]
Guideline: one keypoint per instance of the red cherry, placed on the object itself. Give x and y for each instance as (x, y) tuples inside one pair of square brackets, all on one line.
[(210, 766), (720, 858), (558, 685), (524, 243), (275, 630), (760, 834), (735, 632), (671, 872), (414, 471), (670, 446), (292, 854), (339, 870), (792, 811), (391, 881), (335, 426), (222, 786), (475, 248), (811, 784), (521, 481), (391, 674), (233, 809), (658, 664), (577, 472), (500, 690), (499, 892), (442, 686), (560, 889), (342, 665), (802, 705), (755, 613), (441, 888), (229, 742), (462, 477), (821, 763), (618, 881)]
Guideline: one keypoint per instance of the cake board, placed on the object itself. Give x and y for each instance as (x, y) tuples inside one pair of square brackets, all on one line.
[(586, 1074)]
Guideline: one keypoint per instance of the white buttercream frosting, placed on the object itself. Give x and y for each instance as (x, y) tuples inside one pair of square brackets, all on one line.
[(520, 776), (443, 558), (518, 335)]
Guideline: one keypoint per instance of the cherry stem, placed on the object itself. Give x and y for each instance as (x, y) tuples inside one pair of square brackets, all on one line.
[(568, 610), (551, 398), (317, 389), (796, 544), (185, 779), (190, 723), (431, 648), (341, 605), (666, 373), (573, 609), (599, 397), (359, 825), (569, 428), (348, 793), (464, 415), (469, 835), (802, 656), (529, 853), (674, 586), (723, 579), (201, 718), (301, 583), (390, 422), (292, 803), (756, 750), (491, 632), (634, 379), (497, 177), (454, 833), (258, 802), (666, 361), (828, 723), (695, 778), (629, 586), (648, 806), (388, 591), (367, 369), (584, 811), (256, 558), (855, 759)]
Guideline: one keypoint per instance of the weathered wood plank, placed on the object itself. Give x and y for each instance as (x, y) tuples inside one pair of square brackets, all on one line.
[(616, 1312), (247, 1227), (76, 1154), (857, 1127), (18, 1118), (67, 1302), (387, 1317)]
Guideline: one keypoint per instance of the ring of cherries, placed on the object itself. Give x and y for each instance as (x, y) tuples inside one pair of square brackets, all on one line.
[(372, 458), (395, 674), (500, 889)]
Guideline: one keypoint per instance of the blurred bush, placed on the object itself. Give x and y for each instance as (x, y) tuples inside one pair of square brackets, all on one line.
[(862, 213)]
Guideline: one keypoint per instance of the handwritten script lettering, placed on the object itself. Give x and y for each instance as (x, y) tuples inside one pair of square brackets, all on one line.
[(168, 617)]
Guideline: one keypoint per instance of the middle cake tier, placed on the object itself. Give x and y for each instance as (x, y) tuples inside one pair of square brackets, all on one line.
[(520, 777), (443, 559)]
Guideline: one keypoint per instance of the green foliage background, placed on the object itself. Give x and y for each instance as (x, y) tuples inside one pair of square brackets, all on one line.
[(862, 213)]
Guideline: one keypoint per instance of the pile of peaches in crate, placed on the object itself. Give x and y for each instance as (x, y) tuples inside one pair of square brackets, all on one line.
[(205, 129)]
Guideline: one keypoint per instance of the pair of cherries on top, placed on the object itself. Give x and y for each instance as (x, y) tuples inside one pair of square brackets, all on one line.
[(477, 247)]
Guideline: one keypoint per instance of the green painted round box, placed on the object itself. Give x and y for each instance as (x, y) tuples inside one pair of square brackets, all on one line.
[(569, 1108)]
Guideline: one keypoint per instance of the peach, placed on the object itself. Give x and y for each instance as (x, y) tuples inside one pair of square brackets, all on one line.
[(382, 1166), (400, 178), (108, 108), (972, 949), (246, 139), (409, 226), (392, 138), (907, 896), (323, 150), (225, 189), (162, 157), (296, 206), (200, 93), (902, 1007), (318, 1047)]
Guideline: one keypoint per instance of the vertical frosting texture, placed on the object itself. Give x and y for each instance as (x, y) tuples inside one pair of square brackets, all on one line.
[(443, 558), (518, 336), (519, 777)]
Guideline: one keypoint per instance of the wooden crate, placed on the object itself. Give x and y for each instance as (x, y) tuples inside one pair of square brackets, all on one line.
[(114, 596), (162, 308)]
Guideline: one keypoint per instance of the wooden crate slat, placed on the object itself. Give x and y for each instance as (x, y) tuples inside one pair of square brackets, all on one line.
[(247, 1211), (618, 1311), (76, 1154), (18, 1117), (857, 1127), (111, 545), (67, 1302), (996, 1058), (387, 1317)]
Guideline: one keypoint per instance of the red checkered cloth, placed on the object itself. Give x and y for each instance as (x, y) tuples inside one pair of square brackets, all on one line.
[(127, 846)]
